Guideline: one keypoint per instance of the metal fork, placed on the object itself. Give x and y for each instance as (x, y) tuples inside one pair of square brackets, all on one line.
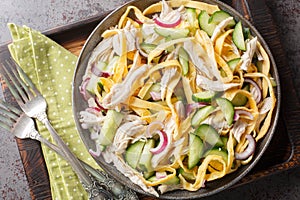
[(20, 125), (34, 105)]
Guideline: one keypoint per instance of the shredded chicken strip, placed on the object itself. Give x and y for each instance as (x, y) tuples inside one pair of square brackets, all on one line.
[(248, 55), (119, 93)]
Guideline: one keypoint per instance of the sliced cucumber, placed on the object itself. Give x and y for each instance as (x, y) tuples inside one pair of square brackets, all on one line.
[(195, 150), (145, 160), (92, 84), (187, 175), (192, 18), (170, 48), (238, 36), (112, 64), (209, 135), (148, 174), (183, 60), (247, 33), (147, 47), (203, 23), (173, 181), (224, 140), (100, 86), (240, 99), (226, 108), (233, 63), (219, 152), (111, 123), (133, 153), (201, 114), (205, 96), (219, 16), (173, 33)]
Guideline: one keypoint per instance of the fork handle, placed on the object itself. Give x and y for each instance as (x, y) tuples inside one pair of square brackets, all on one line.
[(68, 154), (103, 194), (95, 192), (118, 190)]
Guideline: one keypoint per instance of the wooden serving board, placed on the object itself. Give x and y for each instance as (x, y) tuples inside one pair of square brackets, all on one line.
[(284, 150)]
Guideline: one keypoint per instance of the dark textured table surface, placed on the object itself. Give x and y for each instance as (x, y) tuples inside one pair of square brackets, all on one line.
[(46, 14)]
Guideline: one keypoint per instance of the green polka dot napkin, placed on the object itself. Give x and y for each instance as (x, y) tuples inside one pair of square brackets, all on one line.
[(51, 68)]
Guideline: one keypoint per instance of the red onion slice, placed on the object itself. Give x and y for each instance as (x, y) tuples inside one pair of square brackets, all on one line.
[(257, 88), (160, 175), (141, 51), (154, 127), (95, 153), (94, 110), (99, 72), (249, 150), (83, 88), (171, 24), (163, 142), (238, 112), (155, 95), (138, 21), (192, 106), (99, 105)]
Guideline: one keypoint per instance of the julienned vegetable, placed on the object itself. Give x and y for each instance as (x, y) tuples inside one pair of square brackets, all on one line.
[(176, 97)]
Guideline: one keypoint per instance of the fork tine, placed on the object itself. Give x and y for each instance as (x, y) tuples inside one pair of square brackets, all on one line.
[(18, 77), (26, 78), (13, 109), (18, 82), (13, 90), (7, 117)]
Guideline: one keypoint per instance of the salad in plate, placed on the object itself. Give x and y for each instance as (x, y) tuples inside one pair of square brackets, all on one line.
[(178, 95)]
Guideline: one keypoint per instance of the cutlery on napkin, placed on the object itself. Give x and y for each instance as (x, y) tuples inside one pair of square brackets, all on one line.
[(51, 68)]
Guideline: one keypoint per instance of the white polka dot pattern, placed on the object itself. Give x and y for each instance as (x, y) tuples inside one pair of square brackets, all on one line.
[(51, 67)]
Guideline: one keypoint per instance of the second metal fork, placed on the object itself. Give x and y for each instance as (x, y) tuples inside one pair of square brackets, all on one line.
[(21, 126), (34, 105)]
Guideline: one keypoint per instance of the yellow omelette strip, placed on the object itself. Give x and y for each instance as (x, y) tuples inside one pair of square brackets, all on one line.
[(143, 91), (153, 79), (192, 75), (206, 41), (139, 103), (145, 114), (139, 15), (217, 174), (157, 7), (162, 180), (187, 89), (121, 69), (134, 23), (184, 128), (107, 83), (265, 68), (220, 41), (268, 119), (201, 173), (230, 151), (161, 47), (228, 53), (110, 33), (226, 68), (171, 86), (162, 65)]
